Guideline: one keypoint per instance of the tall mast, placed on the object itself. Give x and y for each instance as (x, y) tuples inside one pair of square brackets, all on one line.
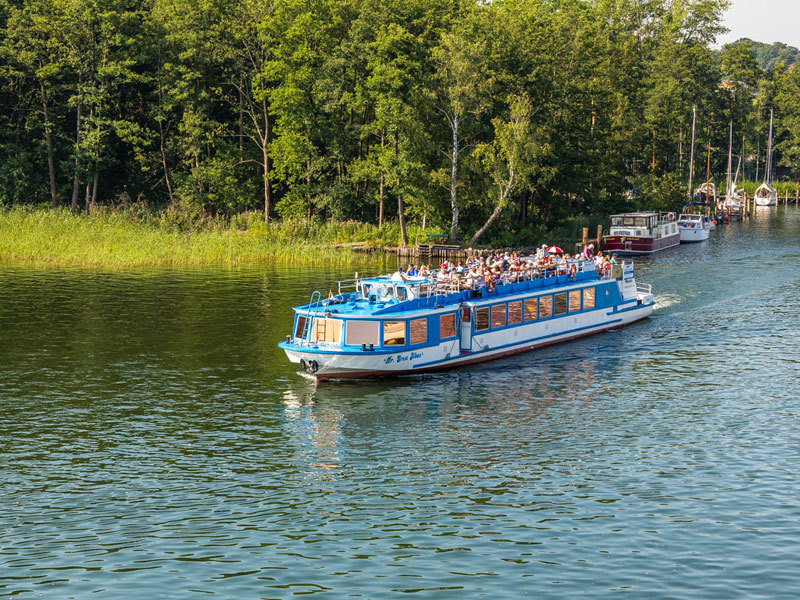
[(691, 153), (730, 155), (768, 170)]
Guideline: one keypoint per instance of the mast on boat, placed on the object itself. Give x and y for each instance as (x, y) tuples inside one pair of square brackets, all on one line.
[(691, 153), (768, 169), (729, 192)]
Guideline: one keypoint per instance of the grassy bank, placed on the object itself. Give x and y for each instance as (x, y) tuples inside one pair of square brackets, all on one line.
[(131, 238)]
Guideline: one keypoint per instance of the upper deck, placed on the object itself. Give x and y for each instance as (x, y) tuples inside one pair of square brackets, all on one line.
[(382, 295)]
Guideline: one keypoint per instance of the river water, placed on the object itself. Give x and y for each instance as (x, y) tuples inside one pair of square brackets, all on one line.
[(156, 444)]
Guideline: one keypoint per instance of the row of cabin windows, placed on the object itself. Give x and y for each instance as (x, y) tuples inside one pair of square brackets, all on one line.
[(367, 332), (495, 316), (532, 309)]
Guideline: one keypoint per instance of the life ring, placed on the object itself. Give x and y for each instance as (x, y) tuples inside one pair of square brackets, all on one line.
[(573, 270), (671, 216), (491, 285)]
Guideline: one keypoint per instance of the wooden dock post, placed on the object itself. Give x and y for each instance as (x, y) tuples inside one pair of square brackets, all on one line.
[(599, 238), (584, 238)]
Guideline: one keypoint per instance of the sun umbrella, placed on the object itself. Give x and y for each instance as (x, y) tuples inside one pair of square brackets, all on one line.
[(555, 250)]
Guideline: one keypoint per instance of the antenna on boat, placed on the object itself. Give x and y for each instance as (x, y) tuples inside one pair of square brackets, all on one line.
[(691, 153)]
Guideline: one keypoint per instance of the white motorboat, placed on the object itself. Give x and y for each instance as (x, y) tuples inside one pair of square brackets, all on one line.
[(694, 228)]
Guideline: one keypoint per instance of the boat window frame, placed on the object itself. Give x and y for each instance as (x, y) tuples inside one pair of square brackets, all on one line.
[(556, 302), (499, 307), (451, 315), (386, 322), (362, 322), (300, 325), (593, 291), (535, 302), (478, 311), (574, 295), (519, 314), (411, 322), (546, 302)]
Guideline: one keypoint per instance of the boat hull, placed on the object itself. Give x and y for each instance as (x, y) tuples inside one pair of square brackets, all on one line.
[(447, 355), (693, 234), (766, 201), (631, 245)]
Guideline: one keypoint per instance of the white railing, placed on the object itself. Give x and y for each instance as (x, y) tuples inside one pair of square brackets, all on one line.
[(644, 288)]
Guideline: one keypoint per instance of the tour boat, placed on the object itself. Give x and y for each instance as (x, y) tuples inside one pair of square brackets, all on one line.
[(385, 326), (694, 227), (641, 233)]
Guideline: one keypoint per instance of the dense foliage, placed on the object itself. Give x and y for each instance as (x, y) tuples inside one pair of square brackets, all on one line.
[(493, 118), (769, 55)]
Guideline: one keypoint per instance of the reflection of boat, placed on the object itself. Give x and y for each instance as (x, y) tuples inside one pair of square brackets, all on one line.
[(694, 227), (766, 195), (641, 233), (380, 326)]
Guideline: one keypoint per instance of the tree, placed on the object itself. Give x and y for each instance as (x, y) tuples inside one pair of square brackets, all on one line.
[(512, 158)]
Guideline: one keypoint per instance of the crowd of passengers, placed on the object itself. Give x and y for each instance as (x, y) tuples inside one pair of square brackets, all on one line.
[(497, 269)]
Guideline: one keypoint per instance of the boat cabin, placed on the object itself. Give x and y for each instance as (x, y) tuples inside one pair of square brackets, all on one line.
[(641, 224)]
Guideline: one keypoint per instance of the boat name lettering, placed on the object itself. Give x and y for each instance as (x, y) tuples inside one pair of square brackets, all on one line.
[(404, 358)]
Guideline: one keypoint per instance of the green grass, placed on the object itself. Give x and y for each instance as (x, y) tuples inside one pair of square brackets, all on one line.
[(126, 238)]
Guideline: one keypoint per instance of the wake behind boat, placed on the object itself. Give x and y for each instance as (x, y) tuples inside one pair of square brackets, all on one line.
[(400, 325)]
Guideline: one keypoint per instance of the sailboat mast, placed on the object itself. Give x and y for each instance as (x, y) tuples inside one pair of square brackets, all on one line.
[(691, 153), (730, 155), (768, 170)]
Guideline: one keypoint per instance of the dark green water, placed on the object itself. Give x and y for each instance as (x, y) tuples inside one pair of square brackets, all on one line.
[(156, 444)]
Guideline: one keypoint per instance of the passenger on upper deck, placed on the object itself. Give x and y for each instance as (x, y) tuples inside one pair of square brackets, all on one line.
[(399, 275), (412, 271)]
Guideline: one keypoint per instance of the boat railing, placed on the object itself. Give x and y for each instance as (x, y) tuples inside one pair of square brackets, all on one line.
[(644, 288)]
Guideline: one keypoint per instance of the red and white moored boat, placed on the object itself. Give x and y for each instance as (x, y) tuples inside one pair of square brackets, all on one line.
[(641, 233)]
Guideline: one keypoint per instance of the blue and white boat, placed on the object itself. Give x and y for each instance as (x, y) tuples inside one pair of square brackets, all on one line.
[(383, 326)]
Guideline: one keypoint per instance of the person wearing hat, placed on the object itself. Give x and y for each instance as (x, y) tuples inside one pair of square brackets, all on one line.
[(588, 252)]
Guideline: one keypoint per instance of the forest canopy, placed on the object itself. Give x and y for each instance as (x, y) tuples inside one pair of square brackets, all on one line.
[(499, 118)]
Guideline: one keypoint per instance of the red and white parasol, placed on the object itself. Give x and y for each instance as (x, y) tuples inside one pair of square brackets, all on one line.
[(555, 250)]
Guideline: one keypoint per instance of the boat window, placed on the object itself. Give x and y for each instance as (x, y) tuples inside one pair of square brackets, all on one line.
[(402, 293), (394, 333), (629, 221), (465, 314), (481, 318), (361, 332), (301, 326), (418, 331), (326, 330), (588, 298), (574, 301), (545, 307), (531, 309), (499, 315), (447, 325), (514, 312), (560, 304), (616, 221), (641, 222)]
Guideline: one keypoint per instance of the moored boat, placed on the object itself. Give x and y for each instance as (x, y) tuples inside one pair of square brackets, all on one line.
[(390, 326), (766, 195), (641, 233), (694, 227)]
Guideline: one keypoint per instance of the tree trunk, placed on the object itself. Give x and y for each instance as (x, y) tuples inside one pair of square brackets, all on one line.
[(454, 180), (96, 180), (49, 141), (265, 150), (380, 186), (400, 204), (164, 160), (76, 175), (492, 218)]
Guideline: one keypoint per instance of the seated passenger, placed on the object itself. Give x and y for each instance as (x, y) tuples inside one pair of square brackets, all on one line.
[(399, 275)]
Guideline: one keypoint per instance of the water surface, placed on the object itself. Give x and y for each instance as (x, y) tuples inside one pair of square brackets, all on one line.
[(156, 444)]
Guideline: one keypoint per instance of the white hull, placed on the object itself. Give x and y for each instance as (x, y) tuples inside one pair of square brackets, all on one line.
[(487, 346), (771, 201), (693, 234)]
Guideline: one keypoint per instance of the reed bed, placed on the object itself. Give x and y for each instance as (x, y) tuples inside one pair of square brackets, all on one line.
[(124, 238)]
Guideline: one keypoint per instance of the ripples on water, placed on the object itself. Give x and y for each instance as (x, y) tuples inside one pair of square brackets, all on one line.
[(156, 444)]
